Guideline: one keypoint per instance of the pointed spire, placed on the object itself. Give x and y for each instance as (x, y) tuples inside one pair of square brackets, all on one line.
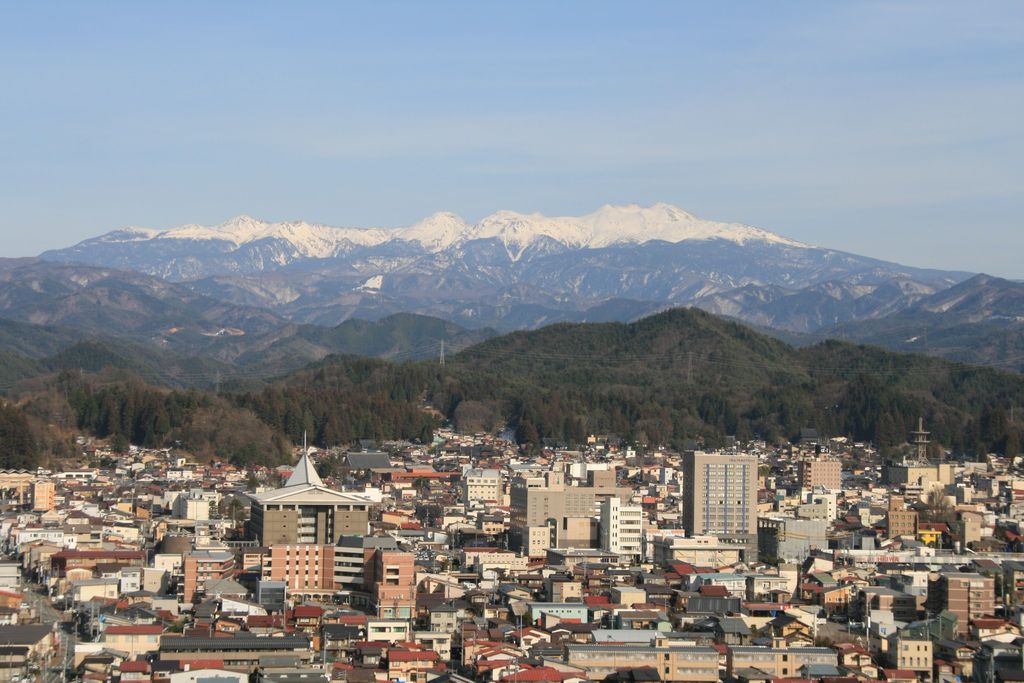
[(304, 474)]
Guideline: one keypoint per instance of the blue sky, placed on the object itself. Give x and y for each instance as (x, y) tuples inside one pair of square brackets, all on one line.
[(887, 129)]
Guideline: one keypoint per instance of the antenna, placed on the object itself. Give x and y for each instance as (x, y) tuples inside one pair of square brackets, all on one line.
[(442, 353), (305, 451), (689, 367)]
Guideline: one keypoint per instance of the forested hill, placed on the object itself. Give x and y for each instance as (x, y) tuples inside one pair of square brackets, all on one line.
[(674, 376), (685, 373)]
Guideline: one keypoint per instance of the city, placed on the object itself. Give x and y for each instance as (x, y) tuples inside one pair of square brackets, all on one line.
[(468, 559)]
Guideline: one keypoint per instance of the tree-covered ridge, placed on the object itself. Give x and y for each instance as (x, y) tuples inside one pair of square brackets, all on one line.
[(675, 376), (685, 374)]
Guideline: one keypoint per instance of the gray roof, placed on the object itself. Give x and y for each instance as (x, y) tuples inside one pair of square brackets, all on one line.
[(236, 642), (368, 461), (691, 650), (734, 625), (24, 634)]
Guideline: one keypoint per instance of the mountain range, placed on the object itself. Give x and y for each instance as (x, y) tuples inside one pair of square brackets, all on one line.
[(268, 296)]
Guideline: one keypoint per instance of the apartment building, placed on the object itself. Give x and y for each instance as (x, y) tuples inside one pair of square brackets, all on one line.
[(901, 522), (965, 594), (391, 576), (202, 565)]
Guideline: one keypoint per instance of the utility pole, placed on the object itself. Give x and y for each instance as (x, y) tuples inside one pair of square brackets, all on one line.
[(689, 367)]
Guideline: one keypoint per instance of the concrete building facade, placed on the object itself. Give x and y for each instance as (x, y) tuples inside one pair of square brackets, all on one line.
[(720, 498), (622, 528), (307, 512)]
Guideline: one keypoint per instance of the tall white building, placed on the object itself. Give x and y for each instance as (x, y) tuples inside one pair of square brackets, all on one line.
[(720, 498), (622, 528)]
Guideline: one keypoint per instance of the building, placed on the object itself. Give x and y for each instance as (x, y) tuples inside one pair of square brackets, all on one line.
[(820, 472), (673, 664), (351, 556), (622, 528), (305, 569), (902, 522), (307, 512), (10, 574), (391, 576), (135, 639), (239, 652), (911, 654), (188, 505), (778, 661), (479, 486), (790, 539), (702, 551), (548, 512), (872, 599), (966, 595), (720, 498), (203, 565), (44, 493)]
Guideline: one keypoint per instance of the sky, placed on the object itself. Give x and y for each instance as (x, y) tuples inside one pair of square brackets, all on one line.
[(889, 129)]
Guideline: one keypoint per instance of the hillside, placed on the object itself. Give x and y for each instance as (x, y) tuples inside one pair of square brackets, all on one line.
[(403, 336), (686, 374), (978, 321), (679, 375)]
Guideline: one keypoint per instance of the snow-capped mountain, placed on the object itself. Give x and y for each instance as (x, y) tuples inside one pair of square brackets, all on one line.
[(609, 225), (486, 272)]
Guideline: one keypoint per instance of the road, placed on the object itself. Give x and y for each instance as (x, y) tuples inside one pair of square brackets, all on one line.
[(60, 664)]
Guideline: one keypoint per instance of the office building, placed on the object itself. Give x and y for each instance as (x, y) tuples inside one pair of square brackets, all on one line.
[(720, 498)]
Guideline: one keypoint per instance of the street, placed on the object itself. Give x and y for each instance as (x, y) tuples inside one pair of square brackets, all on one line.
[(60, 663)]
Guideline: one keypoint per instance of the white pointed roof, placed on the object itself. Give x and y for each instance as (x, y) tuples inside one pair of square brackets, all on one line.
[(305, 487), (304, 473)]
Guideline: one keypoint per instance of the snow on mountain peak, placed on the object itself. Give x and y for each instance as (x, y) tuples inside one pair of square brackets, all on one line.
[(437, 232), (608, 225), (637, 224)]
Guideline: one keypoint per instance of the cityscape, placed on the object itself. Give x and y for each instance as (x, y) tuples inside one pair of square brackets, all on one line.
[(453, 342)]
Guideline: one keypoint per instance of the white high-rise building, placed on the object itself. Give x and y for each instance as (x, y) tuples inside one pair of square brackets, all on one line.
[(622, 528)]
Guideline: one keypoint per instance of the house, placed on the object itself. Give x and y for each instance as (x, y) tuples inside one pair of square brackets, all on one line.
[(135, 640)]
